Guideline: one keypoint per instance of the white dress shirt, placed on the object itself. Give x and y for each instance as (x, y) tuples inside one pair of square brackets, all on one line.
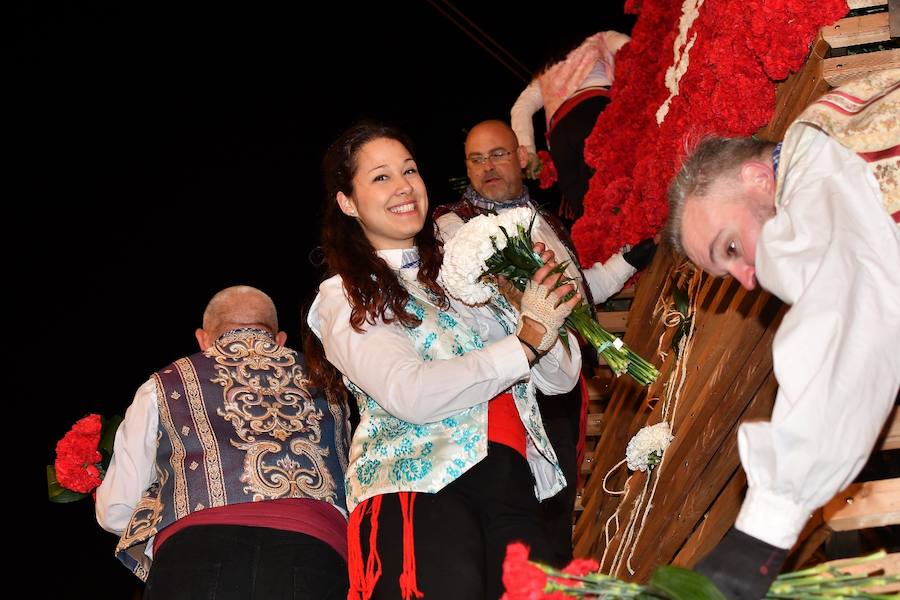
[(383, 362), (833, 253), (131, 470)]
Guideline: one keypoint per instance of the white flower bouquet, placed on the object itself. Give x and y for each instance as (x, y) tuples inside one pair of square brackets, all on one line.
[(646, 448), (492, 245)]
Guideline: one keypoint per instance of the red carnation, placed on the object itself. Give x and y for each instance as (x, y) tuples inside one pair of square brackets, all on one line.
[(581, 567), (547, 176), (522, 580), (77, 457)]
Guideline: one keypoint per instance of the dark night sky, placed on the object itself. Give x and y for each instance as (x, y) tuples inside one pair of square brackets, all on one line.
[(169, 151)]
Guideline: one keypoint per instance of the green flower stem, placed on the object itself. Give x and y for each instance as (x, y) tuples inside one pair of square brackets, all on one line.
[(518, 262)]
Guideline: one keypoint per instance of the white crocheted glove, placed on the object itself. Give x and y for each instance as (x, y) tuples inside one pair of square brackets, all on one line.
[(539, 304)]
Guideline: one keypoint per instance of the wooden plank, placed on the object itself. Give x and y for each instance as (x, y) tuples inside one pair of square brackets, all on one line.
[(797, 92), (613, 322), (891, 432), (715, 437), (869, 504), (841, 69), (627, 401), (855, 4), (855, 31), (715, 395), (598, 386), (894, 12), (587, 463), (715, 523), (890, 564), (624, 294), (814, 534), (594, 424)]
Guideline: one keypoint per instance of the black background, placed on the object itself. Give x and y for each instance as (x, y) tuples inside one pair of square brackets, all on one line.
[(163, 151)]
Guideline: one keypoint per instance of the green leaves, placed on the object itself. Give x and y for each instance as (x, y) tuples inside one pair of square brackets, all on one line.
[(56, 492), (677, 583)]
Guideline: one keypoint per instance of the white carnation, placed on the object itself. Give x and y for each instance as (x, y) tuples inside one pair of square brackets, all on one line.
[(466, 254), (511, 219), (647, 446)]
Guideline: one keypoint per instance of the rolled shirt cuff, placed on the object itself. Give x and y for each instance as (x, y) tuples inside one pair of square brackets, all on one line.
[(771, 518)]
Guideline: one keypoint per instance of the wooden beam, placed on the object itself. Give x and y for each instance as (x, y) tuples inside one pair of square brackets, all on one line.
[(894, 12), (891, 432), (598, 385), (714, 523), (594, 424), (841, 69), (855, 31), (614, 322), (862, 505), (625, 294), (855, 4), (890, 564)]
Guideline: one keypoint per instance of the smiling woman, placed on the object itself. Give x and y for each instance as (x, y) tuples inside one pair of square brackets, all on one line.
[(445, 391), (389, 197)]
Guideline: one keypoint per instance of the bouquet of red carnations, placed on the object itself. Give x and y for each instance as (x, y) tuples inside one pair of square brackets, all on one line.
[(82, 456)]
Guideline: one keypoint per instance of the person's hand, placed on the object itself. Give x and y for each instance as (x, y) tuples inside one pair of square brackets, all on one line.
[(641, 254), (545, 306), (742, 566), (512, 294), (533, 166)]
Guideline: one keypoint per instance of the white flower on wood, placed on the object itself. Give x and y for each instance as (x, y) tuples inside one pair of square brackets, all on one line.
[(646, 448)]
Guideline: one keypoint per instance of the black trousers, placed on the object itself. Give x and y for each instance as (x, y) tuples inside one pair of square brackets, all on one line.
[(567, 150), (228, 562), (561, 415), (462, 531)]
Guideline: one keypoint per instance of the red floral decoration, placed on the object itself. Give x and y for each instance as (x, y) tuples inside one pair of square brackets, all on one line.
[(741, 50), (77, 457), (522, 579), (547, 176)]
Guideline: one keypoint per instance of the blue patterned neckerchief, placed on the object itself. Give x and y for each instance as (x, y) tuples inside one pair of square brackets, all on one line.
[(481, 202), (776, 158), (410, 258)]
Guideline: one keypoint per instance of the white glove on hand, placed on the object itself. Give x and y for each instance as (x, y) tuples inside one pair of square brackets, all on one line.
[(539, 304)]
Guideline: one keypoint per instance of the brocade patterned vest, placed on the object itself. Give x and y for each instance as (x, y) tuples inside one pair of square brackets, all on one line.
[(239, 422), (863, 116), (391, 455)]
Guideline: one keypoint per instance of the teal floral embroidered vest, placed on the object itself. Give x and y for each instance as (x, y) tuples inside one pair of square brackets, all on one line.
[(389, 455)]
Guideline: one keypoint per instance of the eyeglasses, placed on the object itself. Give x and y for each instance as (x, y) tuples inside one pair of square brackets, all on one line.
[(495, 156)]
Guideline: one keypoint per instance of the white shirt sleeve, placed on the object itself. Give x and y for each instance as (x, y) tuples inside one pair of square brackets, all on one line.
[(529, 102), (447, 225), (834, 254), (557, 372), (132, 467), (606, 279), (383, 362)]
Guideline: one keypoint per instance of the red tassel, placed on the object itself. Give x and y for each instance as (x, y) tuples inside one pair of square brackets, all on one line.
[(363, 580), (408, 586)]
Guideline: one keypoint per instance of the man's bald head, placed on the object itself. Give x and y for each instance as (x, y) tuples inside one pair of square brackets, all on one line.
[(496, 128), (234, 307), (497, 179)]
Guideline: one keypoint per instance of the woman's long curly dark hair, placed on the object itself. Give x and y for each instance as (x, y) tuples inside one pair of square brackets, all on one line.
[(372, 286)]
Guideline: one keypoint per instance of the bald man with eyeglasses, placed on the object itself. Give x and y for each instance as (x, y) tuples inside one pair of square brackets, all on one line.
[(494, 163)]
